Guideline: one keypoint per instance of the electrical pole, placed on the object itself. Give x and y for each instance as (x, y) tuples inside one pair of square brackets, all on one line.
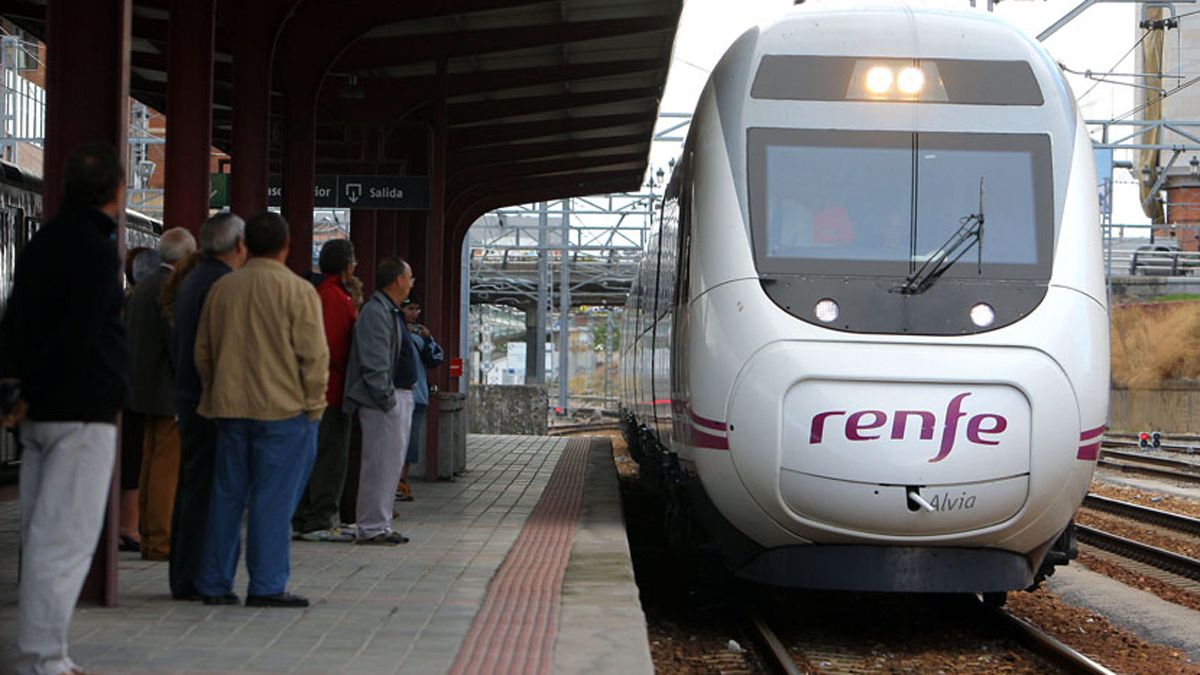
[(564, 307)]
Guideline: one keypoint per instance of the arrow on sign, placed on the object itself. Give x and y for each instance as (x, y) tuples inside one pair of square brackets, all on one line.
[(353, 191)]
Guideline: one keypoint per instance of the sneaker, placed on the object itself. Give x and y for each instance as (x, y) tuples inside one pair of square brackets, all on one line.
[(333, 534), (403, 493), (385, 539)]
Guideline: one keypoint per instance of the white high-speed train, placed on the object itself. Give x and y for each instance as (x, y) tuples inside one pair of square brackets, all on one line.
[(867, 347)]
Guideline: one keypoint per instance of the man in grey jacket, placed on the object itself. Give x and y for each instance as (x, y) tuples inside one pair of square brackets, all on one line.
[(379, 386)]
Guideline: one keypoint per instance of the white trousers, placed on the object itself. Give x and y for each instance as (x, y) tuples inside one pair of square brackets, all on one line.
[(66, 470), (384, 444)]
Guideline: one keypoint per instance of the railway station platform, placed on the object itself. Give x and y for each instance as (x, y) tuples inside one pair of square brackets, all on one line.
[(521, 565)]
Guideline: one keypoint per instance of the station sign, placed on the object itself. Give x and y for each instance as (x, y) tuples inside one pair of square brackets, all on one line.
[(325, 191), (402, 193)]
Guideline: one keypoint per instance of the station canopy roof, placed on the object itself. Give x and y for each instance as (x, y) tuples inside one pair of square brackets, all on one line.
[(539, 91)]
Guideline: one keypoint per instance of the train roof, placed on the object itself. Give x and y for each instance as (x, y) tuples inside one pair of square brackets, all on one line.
[(15, 176), (11, 174), (900, 31)]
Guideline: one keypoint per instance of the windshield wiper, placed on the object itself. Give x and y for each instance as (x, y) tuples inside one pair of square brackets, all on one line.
[(969, 233)]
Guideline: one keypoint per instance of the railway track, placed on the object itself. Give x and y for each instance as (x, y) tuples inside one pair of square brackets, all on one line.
[(772, 650), (779, 659), (1162, 559), (1159, 467), (1142, 514), (1047, 646)]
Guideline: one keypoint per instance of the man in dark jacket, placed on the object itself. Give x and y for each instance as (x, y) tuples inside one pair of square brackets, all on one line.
[(223, 245), (62, 342), (315, 517), (152, 393)]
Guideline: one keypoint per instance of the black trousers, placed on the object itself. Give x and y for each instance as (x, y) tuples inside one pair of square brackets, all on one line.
[(198, 449), (318, 508)]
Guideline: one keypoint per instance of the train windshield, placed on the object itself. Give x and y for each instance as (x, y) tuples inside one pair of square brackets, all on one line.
[(883, 203)]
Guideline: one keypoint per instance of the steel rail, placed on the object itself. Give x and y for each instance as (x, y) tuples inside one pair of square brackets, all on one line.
[(1151, 555), (1143, 514), (565, 429), (1047, 647), (772, 650), (1152, 459), (1152, 466)]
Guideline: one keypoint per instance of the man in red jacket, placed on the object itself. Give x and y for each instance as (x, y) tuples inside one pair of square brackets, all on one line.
[(316, 516)]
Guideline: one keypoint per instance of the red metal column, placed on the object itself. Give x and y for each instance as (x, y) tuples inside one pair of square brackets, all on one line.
[(436, 232), (385, 233), (254, 26), (87, 60), (362, 235), (300, 174), (435, 291), (404, 246), (191, 31)]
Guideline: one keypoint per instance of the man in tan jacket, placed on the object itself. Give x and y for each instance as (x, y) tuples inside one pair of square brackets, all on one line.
[(263, 364)]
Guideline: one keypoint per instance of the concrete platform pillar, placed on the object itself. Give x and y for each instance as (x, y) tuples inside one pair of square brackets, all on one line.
[(87, 59), (189, 111), (362, 235)]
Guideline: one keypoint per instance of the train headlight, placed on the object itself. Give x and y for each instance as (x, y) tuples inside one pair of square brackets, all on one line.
[(983, 315), (910, 81), (827, 310), (879, 80), (896, 80)]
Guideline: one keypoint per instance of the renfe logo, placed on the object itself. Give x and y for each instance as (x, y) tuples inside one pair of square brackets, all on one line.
[(979, 427)]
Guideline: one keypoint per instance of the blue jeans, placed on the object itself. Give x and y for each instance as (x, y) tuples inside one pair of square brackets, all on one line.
[(263, 466)]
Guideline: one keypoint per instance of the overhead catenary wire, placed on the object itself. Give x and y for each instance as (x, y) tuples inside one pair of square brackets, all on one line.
[(1165, 96), (1185, 85), (1115, 66)]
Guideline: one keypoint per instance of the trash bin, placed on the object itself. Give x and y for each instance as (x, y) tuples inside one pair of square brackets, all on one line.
[(452, 434)]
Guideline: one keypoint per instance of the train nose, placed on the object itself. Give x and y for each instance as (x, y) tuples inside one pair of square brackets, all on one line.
[(893, 441)]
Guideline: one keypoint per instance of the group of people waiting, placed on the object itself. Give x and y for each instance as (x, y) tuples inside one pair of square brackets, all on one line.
[(240, 383)]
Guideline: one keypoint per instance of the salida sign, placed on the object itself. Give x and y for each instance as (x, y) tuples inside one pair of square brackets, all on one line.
[(405, 193)]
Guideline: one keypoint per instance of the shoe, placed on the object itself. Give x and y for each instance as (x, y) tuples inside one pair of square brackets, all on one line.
[(333, 534), (403, 493), (129, 545), (386, 539), (227, 599), (281, 600)]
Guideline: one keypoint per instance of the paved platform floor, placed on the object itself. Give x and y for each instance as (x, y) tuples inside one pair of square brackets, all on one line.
[(403, 609)]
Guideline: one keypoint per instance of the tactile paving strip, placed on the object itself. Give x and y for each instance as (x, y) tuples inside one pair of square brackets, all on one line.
[(515, 628)]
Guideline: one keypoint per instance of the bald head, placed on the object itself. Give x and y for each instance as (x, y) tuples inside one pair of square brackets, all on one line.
[(176, 244)]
